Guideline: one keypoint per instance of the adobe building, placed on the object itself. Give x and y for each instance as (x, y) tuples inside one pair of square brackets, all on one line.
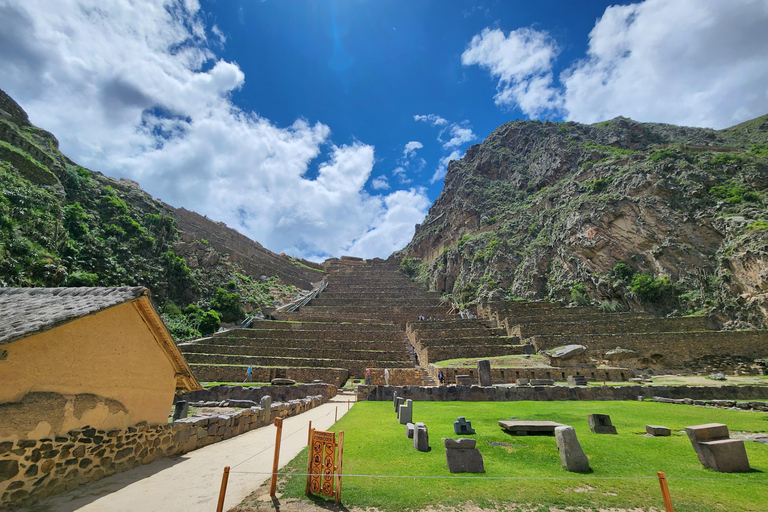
[(76, 357)]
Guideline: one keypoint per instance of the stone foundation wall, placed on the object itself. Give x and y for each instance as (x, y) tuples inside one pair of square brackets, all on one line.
[(558, 393), (325, 344), (211, 373), (277, 393), (609, 326), (337, 354), (510, 375), (398, 377), (31, 470), (354, 367)]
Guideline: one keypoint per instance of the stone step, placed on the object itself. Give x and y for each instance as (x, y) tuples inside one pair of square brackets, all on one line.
[(341, 335), (299, 352), (355, 367), (395, 345), (314, 326), (470, 332)]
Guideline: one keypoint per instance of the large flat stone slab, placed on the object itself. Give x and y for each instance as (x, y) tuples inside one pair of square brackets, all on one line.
[(530, 428)]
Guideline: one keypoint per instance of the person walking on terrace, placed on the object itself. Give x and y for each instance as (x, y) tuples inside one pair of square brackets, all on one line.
[(367, 376), (386, 376), (249, 374)]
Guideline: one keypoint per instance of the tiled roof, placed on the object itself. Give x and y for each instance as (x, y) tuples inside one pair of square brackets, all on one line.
[(24, 311)]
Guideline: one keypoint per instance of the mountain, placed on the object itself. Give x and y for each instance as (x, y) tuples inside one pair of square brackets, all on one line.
[(64, 225), (627, 215)]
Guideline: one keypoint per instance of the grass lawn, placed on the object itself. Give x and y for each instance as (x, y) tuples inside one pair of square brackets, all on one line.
[(525, 471)]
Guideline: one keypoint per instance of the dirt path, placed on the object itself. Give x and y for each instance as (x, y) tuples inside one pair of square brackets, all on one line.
[(191, 483)]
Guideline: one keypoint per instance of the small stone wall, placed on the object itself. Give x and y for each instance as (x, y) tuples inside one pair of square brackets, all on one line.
[(555, 393), (277, 393), (236, 373), (398, 377), (510, 375), (31, 470)]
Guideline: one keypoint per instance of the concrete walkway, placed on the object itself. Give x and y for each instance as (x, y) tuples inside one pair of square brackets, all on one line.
[(191, 482)]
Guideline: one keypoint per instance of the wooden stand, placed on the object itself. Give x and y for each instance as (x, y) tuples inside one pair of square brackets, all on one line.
[(324, 464)]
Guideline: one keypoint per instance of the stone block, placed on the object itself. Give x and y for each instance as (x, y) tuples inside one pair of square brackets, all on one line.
[(398, 402), (462, 427), (420, 437), (716, 450), (572, 456), (577, 380), (601, 424), (484, 372), (522, 382), (394, 400), (463, 380), (459, 444), (409, 430), (657, 430), (542, 382), (462, 459), (406, 412)]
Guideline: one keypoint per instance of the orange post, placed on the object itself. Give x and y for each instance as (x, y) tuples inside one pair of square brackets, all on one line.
[(223, 491), (278, 436), (665, 491), (309, 461), (338, 467)]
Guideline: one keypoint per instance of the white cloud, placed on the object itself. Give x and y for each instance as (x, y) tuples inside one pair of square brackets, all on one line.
[(522, 63), (133, 89), (411, 147), (442, 167), (404, 209), (380, 183), (432, 119), (690, 62), (460, 136), (401, 175)]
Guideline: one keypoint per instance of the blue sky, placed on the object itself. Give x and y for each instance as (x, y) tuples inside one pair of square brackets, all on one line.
[(321, 128)]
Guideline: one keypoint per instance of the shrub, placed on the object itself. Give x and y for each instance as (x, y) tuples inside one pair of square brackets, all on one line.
[(81, 278), (622, 272), (228, 305), (408, 267), (209, 323), (579, 295), (649, 289)]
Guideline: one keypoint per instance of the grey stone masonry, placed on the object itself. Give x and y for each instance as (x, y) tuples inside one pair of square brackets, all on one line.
[(462, 456), (420, 437), (34, 469), (658, 430), (406, 412), (484, 372), (716, 450), (266, 407), (572, 456), (463, 380), (409, 430), (601, 424), (462, 427), (398, 402), (577, 380)]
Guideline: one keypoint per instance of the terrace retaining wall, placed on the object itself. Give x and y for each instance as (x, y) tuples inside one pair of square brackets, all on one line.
[(558, 393)]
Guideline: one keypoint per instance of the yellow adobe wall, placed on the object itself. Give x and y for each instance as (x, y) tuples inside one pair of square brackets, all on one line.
[(111, 354)]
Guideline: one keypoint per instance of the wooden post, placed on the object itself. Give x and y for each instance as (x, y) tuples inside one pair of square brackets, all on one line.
[(278, 436), (223, 490), (665, 492), (309, 461), (309, 434), (347, 404), (338, 467), (336, 415)]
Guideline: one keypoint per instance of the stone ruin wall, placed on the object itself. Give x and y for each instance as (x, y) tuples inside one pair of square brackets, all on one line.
[(510, 375), (677, 349), (558, 393), (31, 470), (211, 373)]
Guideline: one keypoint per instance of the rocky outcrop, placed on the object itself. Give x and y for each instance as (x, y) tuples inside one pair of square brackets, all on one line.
[(548, 211)]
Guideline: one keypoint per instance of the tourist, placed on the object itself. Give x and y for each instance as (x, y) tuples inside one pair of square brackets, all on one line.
[(249, 374), (386, 376), (441, 377), (367, 376)]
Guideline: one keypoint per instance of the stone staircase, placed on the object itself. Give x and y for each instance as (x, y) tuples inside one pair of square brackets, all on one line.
[(357, 322)]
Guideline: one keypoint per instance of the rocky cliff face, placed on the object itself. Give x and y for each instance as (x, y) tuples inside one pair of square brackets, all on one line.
[(626, 214)]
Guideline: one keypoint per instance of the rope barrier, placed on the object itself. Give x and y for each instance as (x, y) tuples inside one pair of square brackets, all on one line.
[(452, 477), (270, 447)]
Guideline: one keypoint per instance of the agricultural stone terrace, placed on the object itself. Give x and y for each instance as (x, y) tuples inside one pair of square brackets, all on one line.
[(659, 345), (356, 323)]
